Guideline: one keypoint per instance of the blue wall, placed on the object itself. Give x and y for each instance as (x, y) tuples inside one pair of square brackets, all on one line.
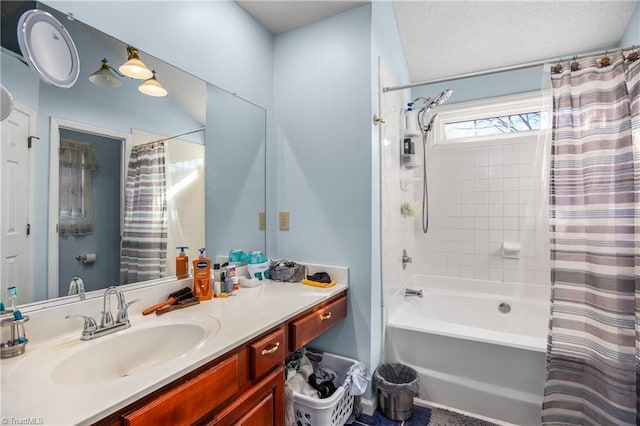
[(632, 33), (105, 238), (323, 141), (469, 89), (235, 173)]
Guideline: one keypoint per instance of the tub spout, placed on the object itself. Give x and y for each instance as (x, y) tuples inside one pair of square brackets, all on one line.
[(411, 292)]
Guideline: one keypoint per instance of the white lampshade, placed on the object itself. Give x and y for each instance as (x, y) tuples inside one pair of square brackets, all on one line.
[(104, 76), (134, 67), (152, 87)]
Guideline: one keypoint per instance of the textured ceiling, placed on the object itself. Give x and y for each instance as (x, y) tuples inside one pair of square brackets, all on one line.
[(445, 38), (281, 16)]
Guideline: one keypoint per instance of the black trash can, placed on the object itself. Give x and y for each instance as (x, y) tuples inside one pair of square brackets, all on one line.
[(397, 385)]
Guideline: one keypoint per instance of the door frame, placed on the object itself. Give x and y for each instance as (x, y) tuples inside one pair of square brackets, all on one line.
[(54, 167)]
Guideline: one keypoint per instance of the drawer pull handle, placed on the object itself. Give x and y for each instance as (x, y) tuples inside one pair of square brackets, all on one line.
[(272, 350), (326, 316)]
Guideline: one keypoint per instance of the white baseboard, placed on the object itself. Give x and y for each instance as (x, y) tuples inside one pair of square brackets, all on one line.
[(368, 405)]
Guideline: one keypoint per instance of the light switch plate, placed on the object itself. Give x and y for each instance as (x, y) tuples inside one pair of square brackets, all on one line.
[(283, 221), (262, 221)]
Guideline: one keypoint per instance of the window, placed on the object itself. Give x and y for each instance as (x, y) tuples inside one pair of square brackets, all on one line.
[(77, 160), (524, 122), (490, 119)]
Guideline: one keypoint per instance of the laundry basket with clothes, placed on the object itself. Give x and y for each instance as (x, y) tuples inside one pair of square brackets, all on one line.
[(323, 389)]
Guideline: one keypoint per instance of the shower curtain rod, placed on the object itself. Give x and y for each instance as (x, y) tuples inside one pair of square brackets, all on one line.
[(176, 136), (505, 69)]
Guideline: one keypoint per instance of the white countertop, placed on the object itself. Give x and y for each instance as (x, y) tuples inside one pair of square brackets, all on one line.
[(29, 391)]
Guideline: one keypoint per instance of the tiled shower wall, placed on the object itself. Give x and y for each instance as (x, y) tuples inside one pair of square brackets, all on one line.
[(480, 195), (397, 232)]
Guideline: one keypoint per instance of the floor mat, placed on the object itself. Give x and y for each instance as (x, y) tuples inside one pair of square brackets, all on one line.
[(422, 416), (440, 417)]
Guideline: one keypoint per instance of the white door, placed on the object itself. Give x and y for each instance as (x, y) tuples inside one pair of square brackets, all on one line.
[(14, 212)]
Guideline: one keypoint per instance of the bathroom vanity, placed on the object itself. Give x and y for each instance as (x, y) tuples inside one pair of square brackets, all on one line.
[(217, 363), (244, 386)]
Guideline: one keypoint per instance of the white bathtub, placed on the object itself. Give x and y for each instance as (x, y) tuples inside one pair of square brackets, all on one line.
[(469, 355)]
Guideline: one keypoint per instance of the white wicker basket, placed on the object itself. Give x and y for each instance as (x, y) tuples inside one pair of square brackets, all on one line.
[(332, 411)]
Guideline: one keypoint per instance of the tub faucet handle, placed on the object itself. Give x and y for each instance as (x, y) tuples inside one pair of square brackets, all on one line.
[(405, 259)]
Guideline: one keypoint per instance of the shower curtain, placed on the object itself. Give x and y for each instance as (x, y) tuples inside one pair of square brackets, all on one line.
[(144, 240), (592, 360)]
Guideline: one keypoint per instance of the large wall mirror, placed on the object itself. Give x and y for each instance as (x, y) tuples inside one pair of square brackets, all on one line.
[(115, 179)]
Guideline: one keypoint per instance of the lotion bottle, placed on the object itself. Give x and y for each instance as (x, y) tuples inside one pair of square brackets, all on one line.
[(182, 263), (202, 277)]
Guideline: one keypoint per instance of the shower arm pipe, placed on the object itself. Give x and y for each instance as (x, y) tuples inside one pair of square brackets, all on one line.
[(506, 68)]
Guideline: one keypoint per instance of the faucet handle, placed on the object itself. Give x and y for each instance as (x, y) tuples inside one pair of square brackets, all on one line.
[(89, 323), (130, 303), (123, 314)]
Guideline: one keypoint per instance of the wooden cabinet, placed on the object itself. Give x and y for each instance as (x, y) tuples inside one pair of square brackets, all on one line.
[(243, 387), (311, 324), (262, 405), (191, 400)]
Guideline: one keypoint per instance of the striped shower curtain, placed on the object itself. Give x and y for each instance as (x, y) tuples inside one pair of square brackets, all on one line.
[(592, 360), (144, 240)]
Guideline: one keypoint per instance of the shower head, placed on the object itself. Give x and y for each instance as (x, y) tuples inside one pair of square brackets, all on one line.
[(438, 101), (430, 104), (443, 97)]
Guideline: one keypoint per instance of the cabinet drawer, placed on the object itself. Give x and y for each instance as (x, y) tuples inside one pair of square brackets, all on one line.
[(306, 328), (191, 400), (266, 353)]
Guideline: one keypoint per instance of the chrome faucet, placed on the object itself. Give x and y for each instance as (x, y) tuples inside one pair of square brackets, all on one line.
[(405, 259), (76, 286), (411, 292), (91, 330)]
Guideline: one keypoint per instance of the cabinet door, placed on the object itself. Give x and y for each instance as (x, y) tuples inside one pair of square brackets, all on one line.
[(191, 400), (262, 405)]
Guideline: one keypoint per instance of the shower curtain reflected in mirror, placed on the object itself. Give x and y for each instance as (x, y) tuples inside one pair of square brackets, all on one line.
[(592, 360), (144, 239)]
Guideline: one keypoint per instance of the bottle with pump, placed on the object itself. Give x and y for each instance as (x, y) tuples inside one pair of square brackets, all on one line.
[(202, 277), (182, 263)]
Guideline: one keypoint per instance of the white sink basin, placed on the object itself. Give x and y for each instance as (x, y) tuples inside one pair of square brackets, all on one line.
[(131, 351)]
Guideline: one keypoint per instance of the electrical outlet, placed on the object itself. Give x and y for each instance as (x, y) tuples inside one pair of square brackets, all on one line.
[(283, 220), (262, 221)]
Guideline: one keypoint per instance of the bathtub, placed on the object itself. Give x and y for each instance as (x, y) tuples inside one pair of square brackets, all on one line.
[(471, 356)]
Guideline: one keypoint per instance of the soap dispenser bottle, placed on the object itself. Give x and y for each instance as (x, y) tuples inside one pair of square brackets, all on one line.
[(182, 263), (202, 277)]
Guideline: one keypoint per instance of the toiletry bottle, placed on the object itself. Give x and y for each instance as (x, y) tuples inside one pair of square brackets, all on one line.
[(182, 263), (219, 285), (216, 272), (228, 284), (202, 277)]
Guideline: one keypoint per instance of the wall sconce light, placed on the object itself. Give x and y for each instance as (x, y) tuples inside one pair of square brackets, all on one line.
[(134, 67), (105, 77), (152, 87)]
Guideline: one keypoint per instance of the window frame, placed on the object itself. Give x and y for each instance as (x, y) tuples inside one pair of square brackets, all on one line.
[(487, 108)]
